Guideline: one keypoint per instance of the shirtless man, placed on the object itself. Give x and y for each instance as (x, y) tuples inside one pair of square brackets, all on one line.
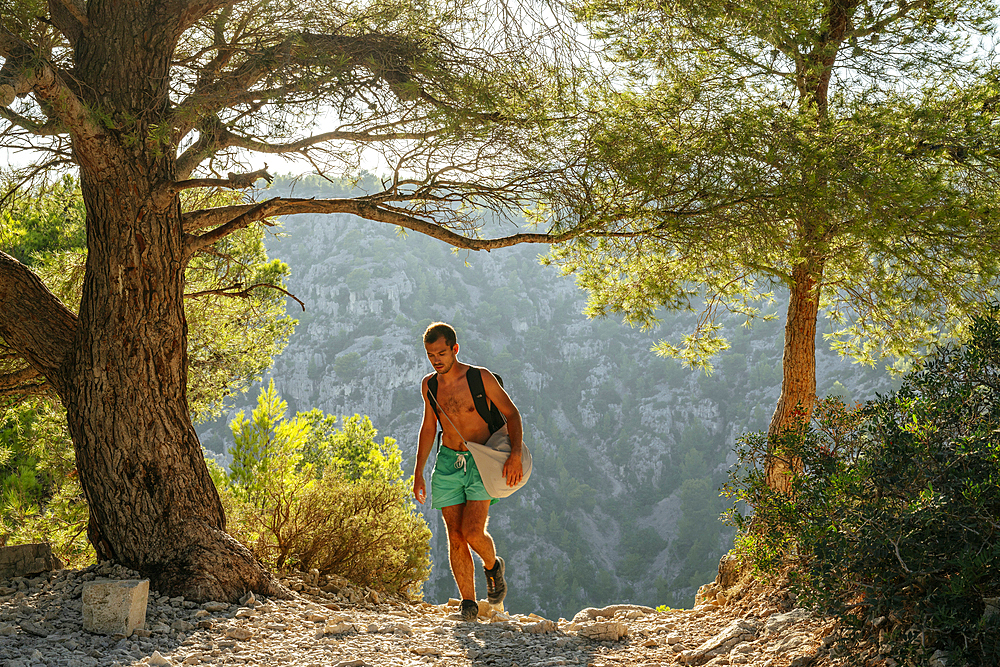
[(456, 486)]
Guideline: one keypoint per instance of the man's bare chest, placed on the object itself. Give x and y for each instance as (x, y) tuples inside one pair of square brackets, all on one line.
[(457, 400)]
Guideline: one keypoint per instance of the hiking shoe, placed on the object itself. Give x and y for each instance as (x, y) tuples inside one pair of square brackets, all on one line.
[(470, 611), (496, 585)]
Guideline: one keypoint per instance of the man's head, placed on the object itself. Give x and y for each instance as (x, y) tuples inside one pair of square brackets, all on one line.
[(438, 330), (441, 344)]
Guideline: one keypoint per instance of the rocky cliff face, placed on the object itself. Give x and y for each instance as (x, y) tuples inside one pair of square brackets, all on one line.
[(630, 449)]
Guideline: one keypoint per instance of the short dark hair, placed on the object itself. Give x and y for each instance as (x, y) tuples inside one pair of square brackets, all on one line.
[(440, 330)]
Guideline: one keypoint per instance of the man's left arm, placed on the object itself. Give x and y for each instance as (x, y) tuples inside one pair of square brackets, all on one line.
[(512, 468)]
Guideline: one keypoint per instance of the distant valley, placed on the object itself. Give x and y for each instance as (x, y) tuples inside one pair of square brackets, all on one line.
[(630, 448)]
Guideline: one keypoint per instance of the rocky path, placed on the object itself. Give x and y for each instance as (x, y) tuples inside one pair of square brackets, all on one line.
[(333, 624)]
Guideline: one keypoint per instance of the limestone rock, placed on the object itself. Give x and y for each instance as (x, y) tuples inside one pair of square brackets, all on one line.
[(591, 613), (336, 628), (939, 659), (157, 660), (541, 627), (610, 631), (240, 634), (23, 560), (737, 632), (779, 622), (729, 571), (113, 607), (706, 593), (992, 608)]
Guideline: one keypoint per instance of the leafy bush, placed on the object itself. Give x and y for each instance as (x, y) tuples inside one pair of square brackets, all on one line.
[(302, 493), (363, 530), (894, 520)]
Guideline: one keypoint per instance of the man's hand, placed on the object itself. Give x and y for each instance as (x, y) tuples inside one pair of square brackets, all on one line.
[(419, 489), (512, 469)]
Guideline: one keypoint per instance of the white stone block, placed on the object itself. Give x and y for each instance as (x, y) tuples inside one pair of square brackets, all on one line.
[(114, 607)]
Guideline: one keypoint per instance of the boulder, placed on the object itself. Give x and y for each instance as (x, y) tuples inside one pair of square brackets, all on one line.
[(706, 593), (608, 631), (737, 632), (729, 571), (591, 613), (25, 560), (112, 607), (992, 608)]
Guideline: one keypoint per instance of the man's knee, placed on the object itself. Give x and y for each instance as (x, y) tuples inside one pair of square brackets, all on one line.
[(456, 538), (473, 528), (454, 526)]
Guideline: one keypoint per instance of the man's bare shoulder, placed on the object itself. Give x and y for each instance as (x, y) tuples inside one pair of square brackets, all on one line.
[(486, 373)]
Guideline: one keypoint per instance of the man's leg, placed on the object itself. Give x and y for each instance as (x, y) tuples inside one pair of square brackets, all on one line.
[(459, 555), (473, 524), (474, 520)]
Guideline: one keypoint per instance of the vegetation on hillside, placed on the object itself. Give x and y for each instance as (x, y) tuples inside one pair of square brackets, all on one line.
[(894, 520)]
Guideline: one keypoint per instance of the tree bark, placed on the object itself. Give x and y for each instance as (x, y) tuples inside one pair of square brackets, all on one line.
[(798, 370), (153, 506)]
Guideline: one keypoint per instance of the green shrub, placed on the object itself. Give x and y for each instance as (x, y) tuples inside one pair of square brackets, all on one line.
[(40, 495), (301, 493), (894, 520)]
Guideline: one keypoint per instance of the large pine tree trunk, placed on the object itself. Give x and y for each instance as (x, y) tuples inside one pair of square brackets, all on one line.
[(798, 369), (153, 506)]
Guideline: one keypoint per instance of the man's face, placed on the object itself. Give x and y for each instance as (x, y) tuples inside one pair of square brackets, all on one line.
[(441, 355)]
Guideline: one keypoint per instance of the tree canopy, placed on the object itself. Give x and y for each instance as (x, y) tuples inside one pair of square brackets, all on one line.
[(843, 150)]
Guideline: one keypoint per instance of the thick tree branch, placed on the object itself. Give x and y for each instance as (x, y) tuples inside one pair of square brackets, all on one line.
[(389, 58), (337, 135), (33, 321), (32, 389), (70, 17), (240, 216), (46, 129), (883, 23), (17, 377), (234, 182), (192, 10), (219, 137), (195, 242), (25, 72), (24, 382)]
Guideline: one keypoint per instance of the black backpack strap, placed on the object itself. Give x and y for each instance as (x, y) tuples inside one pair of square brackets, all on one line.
[(490, 414), (432, 392)]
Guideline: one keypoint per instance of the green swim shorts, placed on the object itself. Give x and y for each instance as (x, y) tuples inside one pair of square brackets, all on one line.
[(456, 479)]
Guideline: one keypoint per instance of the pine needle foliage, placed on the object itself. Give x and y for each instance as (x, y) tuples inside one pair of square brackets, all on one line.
[(41, 497)]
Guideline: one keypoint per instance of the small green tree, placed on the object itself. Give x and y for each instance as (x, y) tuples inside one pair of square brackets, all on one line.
[(267, 449), (301, 492), (845, 150)]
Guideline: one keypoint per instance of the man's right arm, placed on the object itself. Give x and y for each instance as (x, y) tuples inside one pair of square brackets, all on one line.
[(425, 440)]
